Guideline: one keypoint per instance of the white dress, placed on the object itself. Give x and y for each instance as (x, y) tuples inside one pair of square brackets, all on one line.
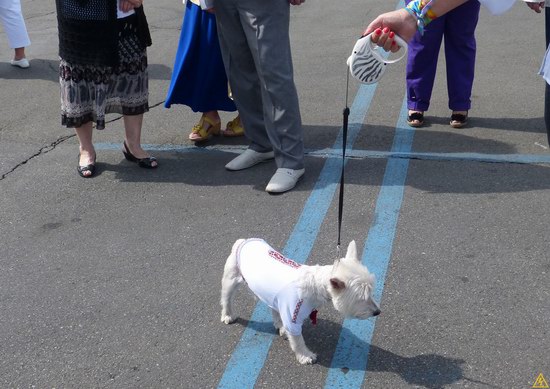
[(14, 24)]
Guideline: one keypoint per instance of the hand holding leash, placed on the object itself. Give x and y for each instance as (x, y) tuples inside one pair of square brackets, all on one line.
[(399, 21)]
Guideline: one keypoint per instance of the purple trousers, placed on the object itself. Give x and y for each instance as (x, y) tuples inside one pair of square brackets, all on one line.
[(458, 29)]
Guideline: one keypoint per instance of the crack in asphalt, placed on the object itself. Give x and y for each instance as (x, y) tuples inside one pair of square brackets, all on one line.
[(43, 150), (46, 149)]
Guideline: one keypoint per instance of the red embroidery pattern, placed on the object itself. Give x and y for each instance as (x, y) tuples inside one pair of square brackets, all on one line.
[(281, 258), (296, 311)]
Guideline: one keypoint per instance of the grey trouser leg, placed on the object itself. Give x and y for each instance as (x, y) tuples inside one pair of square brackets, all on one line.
[(255, 45), (547, 89)]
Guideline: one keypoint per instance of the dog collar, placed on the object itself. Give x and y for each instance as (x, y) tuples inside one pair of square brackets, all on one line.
[(313, 317)]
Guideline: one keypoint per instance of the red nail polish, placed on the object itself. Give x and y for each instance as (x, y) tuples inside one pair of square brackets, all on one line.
[(386, 30), (378, 31), (392, 34)]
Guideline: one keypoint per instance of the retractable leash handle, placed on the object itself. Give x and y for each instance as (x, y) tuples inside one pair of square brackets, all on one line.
[(367, 64)]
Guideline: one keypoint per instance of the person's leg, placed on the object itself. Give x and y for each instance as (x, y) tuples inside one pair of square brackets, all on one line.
[(87, 151), (460, 54), (272, 56), (14, 26), (19, 53), (213, 116), (132, 127), (422, 65), (241, 72)]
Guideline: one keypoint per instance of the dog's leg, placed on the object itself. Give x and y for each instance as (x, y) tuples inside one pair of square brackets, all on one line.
[(304, 355), (230, 281), (277, 322)]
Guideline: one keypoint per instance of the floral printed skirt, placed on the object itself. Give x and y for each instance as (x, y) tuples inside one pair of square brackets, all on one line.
[(89, 92)]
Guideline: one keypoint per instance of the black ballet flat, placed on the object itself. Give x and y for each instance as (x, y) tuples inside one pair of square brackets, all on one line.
[(146, 163), (83, 169)]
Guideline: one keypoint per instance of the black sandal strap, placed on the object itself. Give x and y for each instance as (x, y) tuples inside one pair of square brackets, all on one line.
[(88, 168), (458, 117), (147, 162), (416, 116)]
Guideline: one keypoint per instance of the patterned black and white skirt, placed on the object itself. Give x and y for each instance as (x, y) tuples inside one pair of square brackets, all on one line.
[(89, 92)]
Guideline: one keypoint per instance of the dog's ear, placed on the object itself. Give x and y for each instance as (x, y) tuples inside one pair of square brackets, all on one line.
[(337, 284), (351, 254)]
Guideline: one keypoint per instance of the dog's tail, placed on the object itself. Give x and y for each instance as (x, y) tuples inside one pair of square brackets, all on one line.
[(232, 265), (236, 246)]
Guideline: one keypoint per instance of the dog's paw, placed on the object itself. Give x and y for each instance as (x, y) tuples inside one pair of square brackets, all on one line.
[(228, 319), (307, 359)]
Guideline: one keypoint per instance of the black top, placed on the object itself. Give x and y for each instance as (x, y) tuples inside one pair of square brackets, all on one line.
[(88, 33)]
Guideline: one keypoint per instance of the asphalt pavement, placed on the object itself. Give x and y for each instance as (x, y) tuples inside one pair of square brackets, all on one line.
[(113, 282)]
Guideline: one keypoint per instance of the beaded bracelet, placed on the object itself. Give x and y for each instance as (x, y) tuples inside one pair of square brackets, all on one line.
[(421, 10)]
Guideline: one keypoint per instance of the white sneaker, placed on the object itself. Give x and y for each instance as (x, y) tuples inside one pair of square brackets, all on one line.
[(284, 180), (248, 159), (23, 63)]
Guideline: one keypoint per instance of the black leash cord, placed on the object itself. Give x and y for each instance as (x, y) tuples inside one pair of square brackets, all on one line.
[(344, 143)]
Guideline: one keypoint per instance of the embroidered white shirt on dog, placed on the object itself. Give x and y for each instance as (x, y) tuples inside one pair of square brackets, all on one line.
[(273, 278)]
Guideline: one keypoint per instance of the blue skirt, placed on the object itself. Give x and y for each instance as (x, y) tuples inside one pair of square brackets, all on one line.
[(199, 79)]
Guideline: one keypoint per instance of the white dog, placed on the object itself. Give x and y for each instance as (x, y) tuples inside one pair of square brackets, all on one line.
[(294, 291)]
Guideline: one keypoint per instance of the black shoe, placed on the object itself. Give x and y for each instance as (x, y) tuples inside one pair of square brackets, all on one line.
[(88, 168), (146, 163)]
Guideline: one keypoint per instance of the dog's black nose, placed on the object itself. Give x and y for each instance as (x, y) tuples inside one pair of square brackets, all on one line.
[(376, 313)]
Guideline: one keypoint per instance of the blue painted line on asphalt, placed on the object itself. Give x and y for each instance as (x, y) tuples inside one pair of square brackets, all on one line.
[(249, 355), (336, 153), (467, 157), (349, 363)]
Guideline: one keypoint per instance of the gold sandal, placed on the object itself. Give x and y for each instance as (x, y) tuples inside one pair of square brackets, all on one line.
[(204, 129), (234, 128)]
